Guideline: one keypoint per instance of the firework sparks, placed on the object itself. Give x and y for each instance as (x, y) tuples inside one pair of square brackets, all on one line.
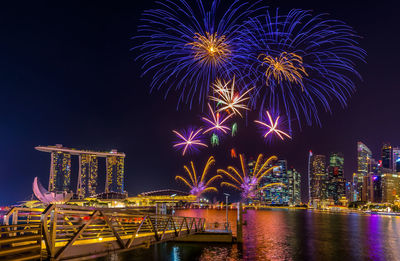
[(288, 66), (228, 98), (298, 48), (199, 184), (245, 182), (189, 140), (234, 129), (184, 44), (272, 127), (216, 122), (210, 49), (214, 140)]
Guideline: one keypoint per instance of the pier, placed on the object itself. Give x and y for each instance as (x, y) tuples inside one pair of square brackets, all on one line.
[(72, 232)]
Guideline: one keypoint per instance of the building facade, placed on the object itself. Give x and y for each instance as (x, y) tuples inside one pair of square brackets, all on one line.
[(87, 177), (336, 184), (60, 172), (294, 187), (318, 176), (364, 155), (115, 174)]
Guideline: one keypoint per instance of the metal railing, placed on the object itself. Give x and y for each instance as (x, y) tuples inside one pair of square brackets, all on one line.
[(222, 227), (21, 241), (65, 228)]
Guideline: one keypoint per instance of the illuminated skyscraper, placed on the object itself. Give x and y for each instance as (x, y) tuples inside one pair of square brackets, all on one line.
[(276, 195), (88, 172), (294, 187), (364, 155), (396, 159), (115, 174), (336, 184), (390, 187), (318, 178), (60, 172), (387, 156)]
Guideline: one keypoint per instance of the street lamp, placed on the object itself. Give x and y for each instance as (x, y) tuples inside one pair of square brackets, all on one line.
[(226, 195), (173, 204)]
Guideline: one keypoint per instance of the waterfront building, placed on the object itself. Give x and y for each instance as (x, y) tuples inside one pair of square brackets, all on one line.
[(276, 195), (372, 191), (336, 187), (87, 177), (387, 156), (60, 172), (115, 174), (396, 159), (294, 187), (364, 155), (390, 186), (318, 179)]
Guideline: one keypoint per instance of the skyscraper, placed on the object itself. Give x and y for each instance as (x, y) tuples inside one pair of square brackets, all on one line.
[(276, 195), (60, 172), (115, 174), (87, 177), (318, 178), (396, 159), (387, 156), (294, 187), (390, 187), (336, 184), (364, 155)]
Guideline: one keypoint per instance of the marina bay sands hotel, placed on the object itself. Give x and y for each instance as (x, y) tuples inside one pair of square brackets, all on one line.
[(60, 170)]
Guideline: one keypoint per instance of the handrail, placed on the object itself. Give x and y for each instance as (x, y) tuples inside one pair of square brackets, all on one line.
[(66, 226)]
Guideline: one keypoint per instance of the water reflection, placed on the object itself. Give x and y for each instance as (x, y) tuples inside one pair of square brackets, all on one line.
[(289, 235)]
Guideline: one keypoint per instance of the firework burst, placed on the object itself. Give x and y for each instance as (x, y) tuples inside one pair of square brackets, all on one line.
[(216, 122), (189, 140), (271, 127), (199, 184), (185, 46), (228, 99), (286, 67), (298, 62), (245, 182)]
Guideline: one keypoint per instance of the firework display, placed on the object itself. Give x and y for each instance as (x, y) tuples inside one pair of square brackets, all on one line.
[(245, 182), (241, 58), (216, 122), (199, 184), (189, 140), (186, 46), (228, 98), (298, 62), (271, 127)]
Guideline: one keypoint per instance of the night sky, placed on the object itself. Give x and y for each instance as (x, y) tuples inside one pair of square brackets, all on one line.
[(67, 76)]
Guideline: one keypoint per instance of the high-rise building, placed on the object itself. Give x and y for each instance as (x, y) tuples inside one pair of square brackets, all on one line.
[(336, 184), (390, 186), (87, 177), (60, 172), (396, 159), (387, 156), (276, 195), (294, 187), (115, 174), (318, 178), (364, 155)]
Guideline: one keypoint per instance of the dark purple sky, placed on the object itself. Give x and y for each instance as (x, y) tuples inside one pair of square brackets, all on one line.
[(67, 76)]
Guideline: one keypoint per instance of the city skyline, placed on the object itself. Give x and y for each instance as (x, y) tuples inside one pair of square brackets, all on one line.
[(88, 93)]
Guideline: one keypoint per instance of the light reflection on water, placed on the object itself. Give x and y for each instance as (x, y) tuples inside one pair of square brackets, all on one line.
[(289, 235)]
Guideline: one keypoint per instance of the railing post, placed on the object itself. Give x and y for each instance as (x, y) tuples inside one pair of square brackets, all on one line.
[(53, 232)]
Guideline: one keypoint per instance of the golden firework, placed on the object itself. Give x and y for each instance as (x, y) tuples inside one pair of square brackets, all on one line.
[(210, 49), (288, 66)]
